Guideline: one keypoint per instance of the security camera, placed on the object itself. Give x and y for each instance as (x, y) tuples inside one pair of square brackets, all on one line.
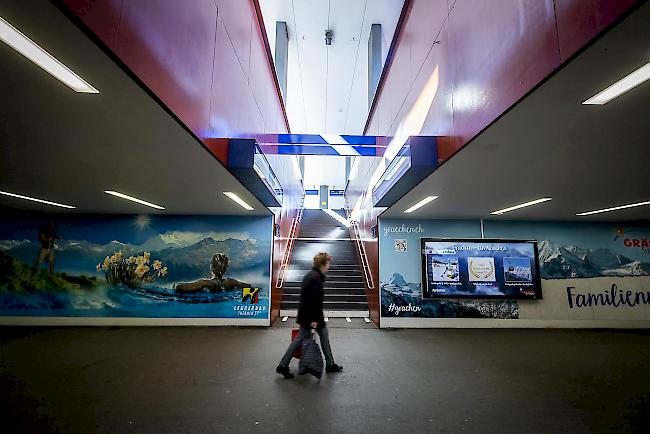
[(328, 37)]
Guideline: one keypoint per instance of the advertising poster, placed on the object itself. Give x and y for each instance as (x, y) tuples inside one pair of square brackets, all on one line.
[(467, 268), (136, 266), (588, 271)]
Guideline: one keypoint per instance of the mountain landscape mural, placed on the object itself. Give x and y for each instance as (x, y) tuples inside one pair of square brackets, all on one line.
[(559, 261), (171, 250)]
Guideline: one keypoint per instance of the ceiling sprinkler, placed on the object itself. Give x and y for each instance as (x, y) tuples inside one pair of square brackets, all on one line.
[(328, 37)]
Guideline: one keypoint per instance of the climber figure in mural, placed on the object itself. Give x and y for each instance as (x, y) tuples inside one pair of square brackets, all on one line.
[(218, 267)]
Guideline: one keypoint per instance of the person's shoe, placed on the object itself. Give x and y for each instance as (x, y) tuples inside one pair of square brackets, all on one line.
[(284, 371), (334, 368)]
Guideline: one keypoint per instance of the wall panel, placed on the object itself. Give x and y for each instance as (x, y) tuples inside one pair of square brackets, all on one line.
[(171, 49), (580, 20)]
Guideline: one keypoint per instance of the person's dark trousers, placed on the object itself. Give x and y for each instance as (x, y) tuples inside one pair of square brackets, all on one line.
[(305, 334)]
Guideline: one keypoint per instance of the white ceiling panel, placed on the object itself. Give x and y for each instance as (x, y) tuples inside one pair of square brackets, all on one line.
[(327, 87)]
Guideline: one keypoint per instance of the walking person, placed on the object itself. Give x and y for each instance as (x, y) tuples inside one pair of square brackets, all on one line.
[(310, 316)]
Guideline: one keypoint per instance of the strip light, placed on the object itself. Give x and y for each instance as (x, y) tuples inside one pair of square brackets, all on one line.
[(396, 168), (420, 204), (337, 217), (132, 199), (28, 48), (620, 87), (522, 205), (239, 200), (33, 199), (598, 211)]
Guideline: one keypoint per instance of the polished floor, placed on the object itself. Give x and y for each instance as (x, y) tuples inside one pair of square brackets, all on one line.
[(219, 380)]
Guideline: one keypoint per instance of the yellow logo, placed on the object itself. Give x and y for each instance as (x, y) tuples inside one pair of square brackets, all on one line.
[(250, 294)]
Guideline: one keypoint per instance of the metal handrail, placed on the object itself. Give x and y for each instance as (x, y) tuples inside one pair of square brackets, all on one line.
[(362, 251), (287, 251)]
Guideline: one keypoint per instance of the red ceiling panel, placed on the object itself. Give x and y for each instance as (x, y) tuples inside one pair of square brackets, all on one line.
[(425, 20), (498, 59), (103, 16), (171, 49), (578, 21), (228, 82), (238, 17)]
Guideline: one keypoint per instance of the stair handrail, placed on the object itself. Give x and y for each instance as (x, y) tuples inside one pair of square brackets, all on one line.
[(287, 251), (361, 248)]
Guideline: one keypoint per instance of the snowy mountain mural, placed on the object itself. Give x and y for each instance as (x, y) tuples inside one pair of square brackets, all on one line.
[(186, 246), (402, 299), (185, 260), (568, 261)]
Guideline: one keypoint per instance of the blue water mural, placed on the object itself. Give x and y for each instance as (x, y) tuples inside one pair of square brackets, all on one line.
[(138, 266)]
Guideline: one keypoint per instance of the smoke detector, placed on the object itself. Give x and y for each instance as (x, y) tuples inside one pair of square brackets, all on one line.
[(328, 37)]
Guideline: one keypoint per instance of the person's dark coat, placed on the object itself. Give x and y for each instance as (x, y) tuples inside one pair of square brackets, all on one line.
[(311, 299)]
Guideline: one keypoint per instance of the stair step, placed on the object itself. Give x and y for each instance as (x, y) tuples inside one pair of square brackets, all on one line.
[(344, 287), (330, 305), (339, 298), (296, 291)]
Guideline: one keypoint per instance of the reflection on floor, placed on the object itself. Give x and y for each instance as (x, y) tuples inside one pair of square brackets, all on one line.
[(222, 380)]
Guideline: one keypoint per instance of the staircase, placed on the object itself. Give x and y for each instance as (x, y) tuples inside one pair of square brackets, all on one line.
[(344, 293)]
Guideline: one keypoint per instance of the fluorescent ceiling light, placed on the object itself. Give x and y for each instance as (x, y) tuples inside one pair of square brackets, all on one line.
[(421, 203), (620, 87), (239, 200), (598, 211), (522, 205), (395, 168), (33, 199), (133, 199), (336, 216), (28, 48)]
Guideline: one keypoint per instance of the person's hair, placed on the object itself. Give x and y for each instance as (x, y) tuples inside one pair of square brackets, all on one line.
[(321, 259)]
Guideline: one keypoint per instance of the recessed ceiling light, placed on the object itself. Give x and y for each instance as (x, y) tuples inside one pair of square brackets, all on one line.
[(421, 203), (28, 48), (33, 199), (133, 199), (598, 211), (239, 200), (620, 87), (523, 205), (336, 216)]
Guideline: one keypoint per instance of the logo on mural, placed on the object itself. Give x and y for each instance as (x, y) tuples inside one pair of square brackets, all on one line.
[(632, 241), (251, 295), (403, 229), (400, 245)]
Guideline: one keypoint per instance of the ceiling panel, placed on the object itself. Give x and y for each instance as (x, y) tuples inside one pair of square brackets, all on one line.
[(585, 157), (327, 90), (67, 147)]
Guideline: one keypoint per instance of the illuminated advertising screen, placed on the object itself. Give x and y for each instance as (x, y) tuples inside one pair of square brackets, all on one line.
[(480, 268)]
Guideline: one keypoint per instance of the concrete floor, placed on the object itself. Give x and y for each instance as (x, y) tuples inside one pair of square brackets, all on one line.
[(196, 380)]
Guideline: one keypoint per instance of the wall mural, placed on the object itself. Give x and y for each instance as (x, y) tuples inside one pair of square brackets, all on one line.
[(593, 267), (135, 266)]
